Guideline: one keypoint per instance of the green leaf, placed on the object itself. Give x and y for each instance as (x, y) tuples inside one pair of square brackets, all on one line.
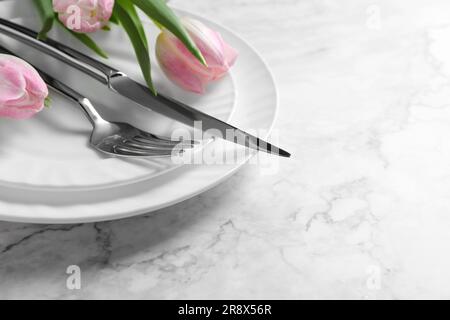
[(87, 41), (114, 19), (45, 8), (158, 11), (48, 102), (130, 21), (133, 15)]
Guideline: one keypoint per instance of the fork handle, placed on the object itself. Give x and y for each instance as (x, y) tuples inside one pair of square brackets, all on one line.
[(74, 58), (85, 104)]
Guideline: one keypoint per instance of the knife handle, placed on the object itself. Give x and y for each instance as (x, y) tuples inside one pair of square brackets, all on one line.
[(74, 58)]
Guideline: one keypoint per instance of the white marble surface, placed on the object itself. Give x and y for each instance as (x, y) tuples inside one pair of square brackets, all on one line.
[(361, 211)]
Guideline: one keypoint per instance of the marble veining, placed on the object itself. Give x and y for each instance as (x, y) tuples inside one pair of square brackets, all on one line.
[(361, 211)]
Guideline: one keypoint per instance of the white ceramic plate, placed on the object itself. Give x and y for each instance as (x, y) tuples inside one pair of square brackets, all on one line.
[(49, 175)]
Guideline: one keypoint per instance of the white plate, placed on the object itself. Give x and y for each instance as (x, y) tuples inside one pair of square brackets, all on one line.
[(55, 140), (47, 172)]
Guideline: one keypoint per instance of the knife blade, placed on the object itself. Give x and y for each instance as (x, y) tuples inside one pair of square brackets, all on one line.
[(183, 113)]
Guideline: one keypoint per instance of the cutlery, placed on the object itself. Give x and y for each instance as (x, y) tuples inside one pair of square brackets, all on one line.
[(120, 83), (114, 138)]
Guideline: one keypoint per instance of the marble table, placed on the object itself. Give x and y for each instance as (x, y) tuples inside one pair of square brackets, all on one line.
[(361, 211)]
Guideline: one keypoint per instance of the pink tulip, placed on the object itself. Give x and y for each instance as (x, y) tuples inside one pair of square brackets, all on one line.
[(22, 90), (84, 16), (183, 68)]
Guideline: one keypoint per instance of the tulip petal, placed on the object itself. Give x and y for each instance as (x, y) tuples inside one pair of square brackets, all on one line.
[(180, 68), (22, 90), (231, 54), (12, 85), (206, 40)]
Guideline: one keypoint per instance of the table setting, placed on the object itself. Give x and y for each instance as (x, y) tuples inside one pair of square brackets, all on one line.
[(191, 89), (357, 91)]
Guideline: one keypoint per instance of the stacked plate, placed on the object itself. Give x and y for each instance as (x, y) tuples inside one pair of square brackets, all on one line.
[(48, 173)]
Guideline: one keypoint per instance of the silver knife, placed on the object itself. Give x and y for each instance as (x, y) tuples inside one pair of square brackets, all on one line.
[(120, 83)]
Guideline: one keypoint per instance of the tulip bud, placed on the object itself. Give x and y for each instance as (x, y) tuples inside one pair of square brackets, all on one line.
[(84, 16), (22, 90), (183, 68)]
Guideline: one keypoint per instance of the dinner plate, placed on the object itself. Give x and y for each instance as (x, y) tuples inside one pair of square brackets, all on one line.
[(48, 174), (56, 139)]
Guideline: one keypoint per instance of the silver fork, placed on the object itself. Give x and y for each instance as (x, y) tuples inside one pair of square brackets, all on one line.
[(115, 138)]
